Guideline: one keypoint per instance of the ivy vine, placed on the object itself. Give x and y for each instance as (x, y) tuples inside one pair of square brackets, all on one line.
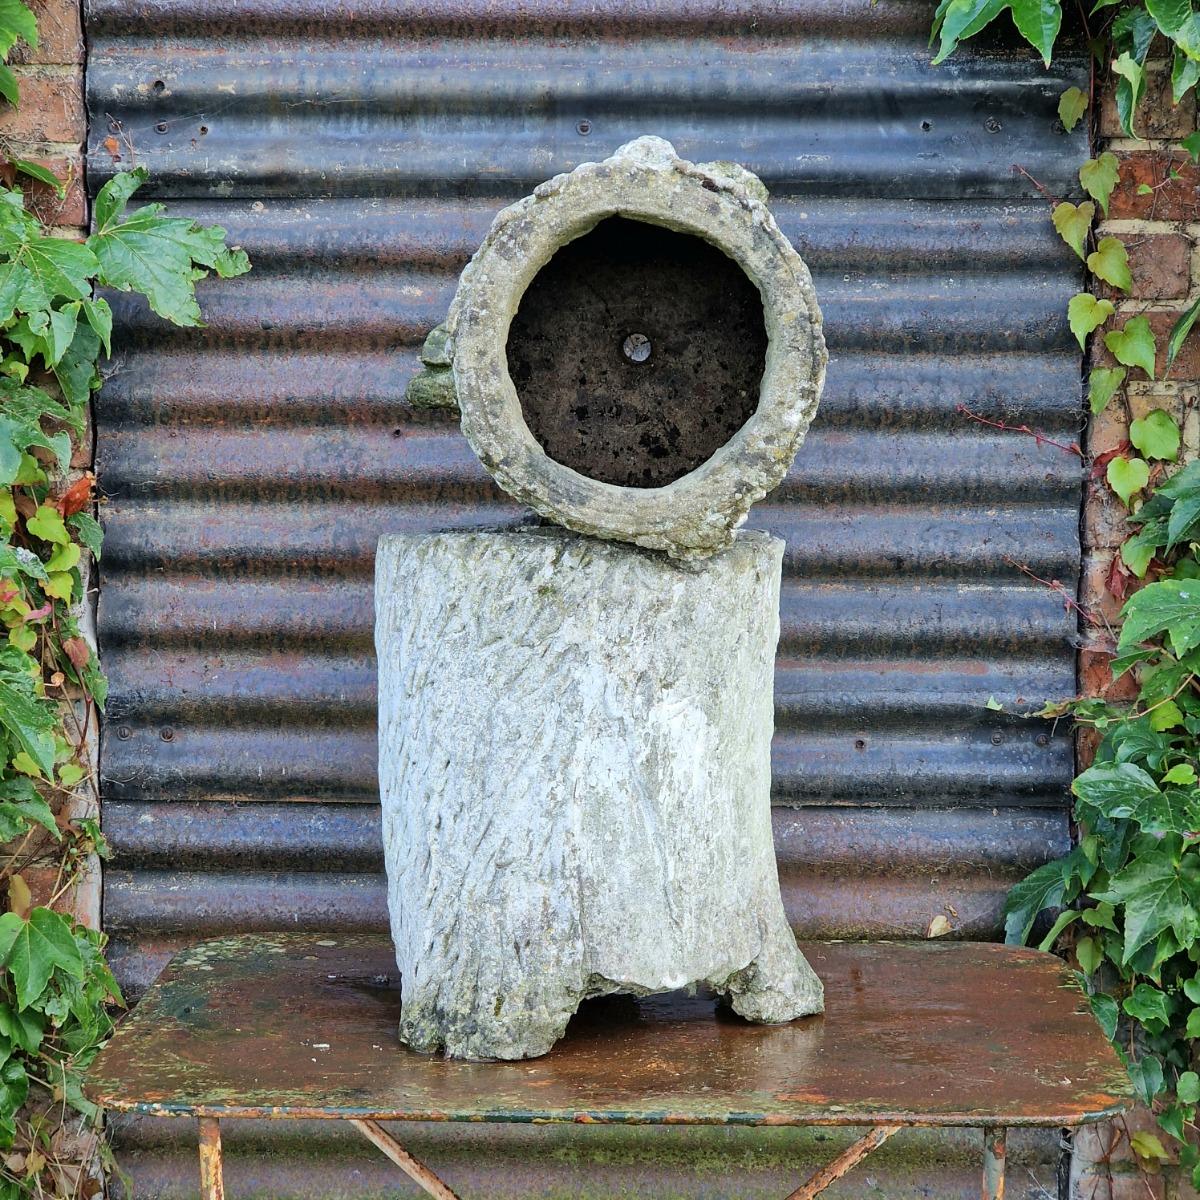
[(56, 989), (1124, 904)]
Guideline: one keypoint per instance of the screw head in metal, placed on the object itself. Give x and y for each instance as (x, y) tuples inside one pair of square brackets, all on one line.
[(583, 128), (124, 732), (1043, 739), (167, 735), (161, 127), (992, 125), (997, 738)]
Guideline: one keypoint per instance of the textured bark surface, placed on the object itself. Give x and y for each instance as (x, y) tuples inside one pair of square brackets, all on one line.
[(574, 761)]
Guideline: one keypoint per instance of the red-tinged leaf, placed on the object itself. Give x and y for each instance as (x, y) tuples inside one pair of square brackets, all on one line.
[(78, 651), (1101, 461), (1119, 580), (39, 614), (76, 497)]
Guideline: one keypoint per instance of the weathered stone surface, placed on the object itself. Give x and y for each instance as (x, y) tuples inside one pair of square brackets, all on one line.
[(720, 203), (574, 761)]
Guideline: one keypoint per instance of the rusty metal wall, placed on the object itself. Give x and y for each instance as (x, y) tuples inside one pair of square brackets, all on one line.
[(358, 152)]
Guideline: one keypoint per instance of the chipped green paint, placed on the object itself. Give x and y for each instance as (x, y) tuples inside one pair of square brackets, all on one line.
[(291, 1026)]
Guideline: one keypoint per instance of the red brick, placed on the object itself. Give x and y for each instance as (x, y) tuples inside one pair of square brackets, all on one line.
[(60, 34), (1104, 518), (1087, 742), (1093, 589), (1156, 116), (1161, 266), (1108, 430), (44, 201), (1095, 678), (51, 109), (1171, 199)]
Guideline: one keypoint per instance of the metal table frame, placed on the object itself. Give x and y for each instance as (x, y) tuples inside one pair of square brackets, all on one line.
[(212, 1179), (907, 1023)]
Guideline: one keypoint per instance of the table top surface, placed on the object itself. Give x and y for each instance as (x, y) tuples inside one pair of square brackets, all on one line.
[(915, 1033)]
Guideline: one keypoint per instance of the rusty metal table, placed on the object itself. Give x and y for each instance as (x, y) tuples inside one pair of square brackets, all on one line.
[(916, 1034)]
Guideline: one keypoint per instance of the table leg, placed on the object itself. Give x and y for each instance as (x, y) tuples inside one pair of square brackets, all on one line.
[(416, 1171), (850, 1157), (212, 1181), (993, 1164)]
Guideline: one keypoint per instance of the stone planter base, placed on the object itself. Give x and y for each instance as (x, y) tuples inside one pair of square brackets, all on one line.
[(575, 772)]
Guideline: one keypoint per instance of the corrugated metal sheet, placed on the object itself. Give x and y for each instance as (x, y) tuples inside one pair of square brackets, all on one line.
[(358, 153)]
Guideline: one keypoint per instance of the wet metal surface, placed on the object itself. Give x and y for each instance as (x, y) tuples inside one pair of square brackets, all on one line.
[(933, 1033)]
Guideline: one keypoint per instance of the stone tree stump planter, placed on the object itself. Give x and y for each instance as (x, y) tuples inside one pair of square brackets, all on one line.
[(576, 739), (575, 732)]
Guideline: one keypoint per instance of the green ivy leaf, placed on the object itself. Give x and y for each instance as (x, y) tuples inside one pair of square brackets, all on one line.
[(1038, 22), (1185, 73), (1072, 104), (1065, 918), (1104, 1009), (1187, 1087), (1156, 435), (1127, 477), (1114, 790), (56, 267), (1129, 90), (1102, 386), (1098, 176), (1085, 313), (1100, 916), (29, 723), (1110, 262), (1088, 954), (1180, 330), (1133, 345), (114, 195), (1170, 606), (1177, 21), (63, 559), (962, 19), (23, 1029), (76, 372), (41, 174), (48, 525), (87, 529), (16, 816), (159, 256), (10, 450), (1151, 889), (17, 23), (1149, 1006), (1050, 886), (1074, 222), (99, 317), (44, 942), (8, 86), (1168, 715), (1146, 1074)]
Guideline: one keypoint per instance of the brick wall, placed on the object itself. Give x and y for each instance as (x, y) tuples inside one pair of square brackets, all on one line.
[(49, 127), (1161, 229)]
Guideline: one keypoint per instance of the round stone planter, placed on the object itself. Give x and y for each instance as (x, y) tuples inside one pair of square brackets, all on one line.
[(725, 393)]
